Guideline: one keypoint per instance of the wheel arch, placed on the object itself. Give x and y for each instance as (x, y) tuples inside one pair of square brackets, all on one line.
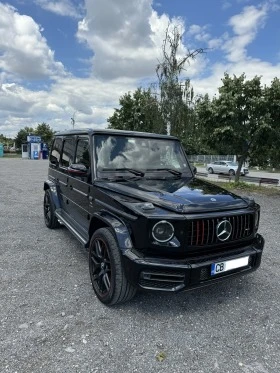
[(118, 227), (50, 185)]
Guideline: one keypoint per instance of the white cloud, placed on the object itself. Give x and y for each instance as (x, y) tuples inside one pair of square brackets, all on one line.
[(60, 7), (216, 42), (126, 37), (245, 27), (24, 51), (92, 100), (119, 37), (251, 68), (199, 33)]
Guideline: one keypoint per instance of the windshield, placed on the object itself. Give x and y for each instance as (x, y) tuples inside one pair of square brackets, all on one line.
[(121, 153)]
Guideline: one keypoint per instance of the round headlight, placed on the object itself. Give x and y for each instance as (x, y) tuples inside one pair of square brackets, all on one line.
[(163, 231)]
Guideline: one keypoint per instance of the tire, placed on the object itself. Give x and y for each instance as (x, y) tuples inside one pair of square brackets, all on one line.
[(231, 172), (210, 170), (49, 209), (106, 269)]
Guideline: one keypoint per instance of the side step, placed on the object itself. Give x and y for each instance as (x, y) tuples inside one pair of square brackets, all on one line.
[(73, 230)]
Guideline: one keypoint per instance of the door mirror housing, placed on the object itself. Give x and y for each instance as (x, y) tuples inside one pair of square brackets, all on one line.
[(78, 169)]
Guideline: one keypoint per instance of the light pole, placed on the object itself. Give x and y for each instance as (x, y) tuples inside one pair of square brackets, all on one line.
[(73, 119)]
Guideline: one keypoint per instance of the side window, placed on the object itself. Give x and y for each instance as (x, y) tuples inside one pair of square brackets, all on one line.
[(68, 152), (82, 154), (56, 150)]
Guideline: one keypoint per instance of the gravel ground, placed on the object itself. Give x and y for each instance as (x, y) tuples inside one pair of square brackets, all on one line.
[(51, 320)]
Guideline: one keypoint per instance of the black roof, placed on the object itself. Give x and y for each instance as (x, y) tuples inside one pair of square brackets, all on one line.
[(91, 131)]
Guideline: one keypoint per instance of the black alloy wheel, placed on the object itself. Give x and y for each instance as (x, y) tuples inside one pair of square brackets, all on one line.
[(49, 209), (106, 269), (101, 271), (210, 170), (231, 172)]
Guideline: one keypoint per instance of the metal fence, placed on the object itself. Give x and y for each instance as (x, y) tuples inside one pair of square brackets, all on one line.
[(211, 158)]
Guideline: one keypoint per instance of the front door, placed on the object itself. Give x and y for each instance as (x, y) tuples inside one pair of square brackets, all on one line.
[(79, 186)]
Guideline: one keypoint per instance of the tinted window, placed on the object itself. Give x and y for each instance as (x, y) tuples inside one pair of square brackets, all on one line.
[(68, 152), (82, 154), (56, 149)]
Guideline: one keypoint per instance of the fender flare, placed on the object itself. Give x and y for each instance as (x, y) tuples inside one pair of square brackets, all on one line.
[(54, 195), (105, 219)]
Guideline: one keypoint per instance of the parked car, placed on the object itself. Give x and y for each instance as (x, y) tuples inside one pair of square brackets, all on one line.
[(133, 201), (225, 167)]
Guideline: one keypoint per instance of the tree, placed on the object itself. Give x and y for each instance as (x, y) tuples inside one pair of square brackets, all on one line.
[(138, 112), (171, 106), (22, 136), (237, 122), (272, 97), (5, 140), (176, 95), (45, 132)]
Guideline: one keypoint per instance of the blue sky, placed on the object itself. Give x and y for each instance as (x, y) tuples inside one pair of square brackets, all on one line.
[(65, 57)]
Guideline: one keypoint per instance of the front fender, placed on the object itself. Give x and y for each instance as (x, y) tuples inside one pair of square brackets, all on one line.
[(54, 195), (119, 228)]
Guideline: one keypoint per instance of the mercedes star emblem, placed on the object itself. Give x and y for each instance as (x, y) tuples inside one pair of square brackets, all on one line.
[(223, 230)]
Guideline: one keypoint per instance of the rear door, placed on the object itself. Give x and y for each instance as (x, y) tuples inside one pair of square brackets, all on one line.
[(55, 174), (67, 157)]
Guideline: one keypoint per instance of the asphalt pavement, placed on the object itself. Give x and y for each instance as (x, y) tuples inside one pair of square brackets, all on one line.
[(51, 321)]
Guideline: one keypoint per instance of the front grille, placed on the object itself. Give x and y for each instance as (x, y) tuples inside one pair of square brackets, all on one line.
[(162, 280), (202, 232)]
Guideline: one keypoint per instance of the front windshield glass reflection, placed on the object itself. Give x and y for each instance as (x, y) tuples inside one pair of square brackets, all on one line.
[(138, 153)]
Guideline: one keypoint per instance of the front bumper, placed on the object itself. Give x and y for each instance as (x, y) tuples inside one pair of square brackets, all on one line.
[(177, 275)]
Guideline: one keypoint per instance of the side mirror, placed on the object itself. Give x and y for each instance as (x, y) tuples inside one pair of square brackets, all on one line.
[(78, 169)]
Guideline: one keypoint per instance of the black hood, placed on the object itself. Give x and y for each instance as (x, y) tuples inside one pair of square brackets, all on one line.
[(180, 195)]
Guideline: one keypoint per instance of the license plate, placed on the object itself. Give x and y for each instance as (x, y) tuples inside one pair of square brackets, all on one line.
[(228, 265)]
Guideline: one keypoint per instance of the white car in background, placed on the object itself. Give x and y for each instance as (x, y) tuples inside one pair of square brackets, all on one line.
[(225, 167)]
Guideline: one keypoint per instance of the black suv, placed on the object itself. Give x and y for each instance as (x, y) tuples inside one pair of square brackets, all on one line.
[(133, 200)]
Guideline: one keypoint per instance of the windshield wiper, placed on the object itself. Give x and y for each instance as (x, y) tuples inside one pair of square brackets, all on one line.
[(171, 170), (132, 170), (119, 178)]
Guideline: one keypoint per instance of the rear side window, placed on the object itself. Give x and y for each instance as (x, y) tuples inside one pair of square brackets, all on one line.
[(68, 152), (56, 150), (82, 154)]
